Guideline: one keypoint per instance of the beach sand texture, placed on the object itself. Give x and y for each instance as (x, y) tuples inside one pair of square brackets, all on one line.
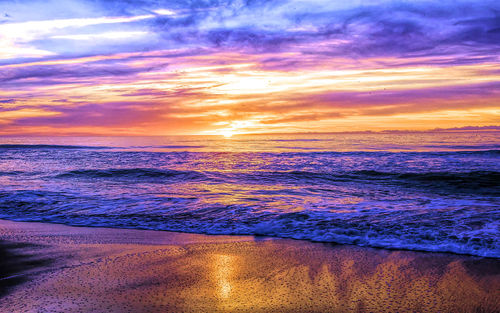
[(78, 269)]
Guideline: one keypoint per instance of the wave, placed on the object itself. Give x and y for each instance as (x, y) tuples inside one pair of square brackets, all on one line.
[(294, 150), (466, 147), (33, 147), (486, 178), (465, 230), (480, 152), (130, 173), (474, 182)]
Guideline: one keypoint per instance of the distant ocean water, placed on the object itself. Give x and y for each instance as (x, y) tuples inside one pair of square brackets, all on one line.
[(422, 191)]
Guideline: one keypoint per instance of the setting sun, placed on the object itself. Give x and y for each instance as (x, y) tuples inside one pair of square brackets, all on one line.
[(227, 134)]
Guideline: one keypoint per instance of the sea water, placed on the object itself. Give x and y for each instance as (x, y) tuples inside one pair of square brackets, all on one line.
[(422, 191)]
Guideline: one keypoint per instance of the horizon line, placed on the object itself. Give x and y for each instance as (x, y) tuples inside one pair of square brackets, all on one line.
[(490, 128)]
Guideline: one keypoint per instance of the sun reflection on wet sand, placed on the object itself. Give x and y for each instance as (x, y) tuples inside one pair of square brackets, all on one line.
[(125, 271), (223, 265)]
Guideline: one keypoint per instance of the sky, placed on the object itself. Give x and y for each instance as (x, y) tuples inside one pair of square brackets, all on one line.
[(152, 67)]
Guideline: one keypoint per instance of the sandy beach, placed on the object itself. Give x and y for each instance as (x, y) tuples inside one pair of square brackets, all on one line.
[(57, 268)]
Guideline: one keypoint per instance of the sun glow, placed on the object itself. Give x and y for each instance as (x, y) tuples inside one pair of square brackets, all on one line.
[(234, 128), (227, 133)]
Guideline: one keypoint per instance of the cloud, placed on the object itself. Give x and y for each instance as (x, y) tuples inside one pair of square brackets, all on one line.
[(196, 64), (8, 101), (385, 28), (65, 74)]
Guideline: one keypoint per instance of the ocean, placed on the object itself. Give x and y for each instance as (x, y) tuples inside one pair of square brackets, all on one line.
[(432, 191)]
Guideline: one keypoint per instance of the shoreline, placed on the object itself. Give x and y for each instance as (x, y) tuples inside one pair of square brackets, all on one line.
[(119, 270), (260, 237)]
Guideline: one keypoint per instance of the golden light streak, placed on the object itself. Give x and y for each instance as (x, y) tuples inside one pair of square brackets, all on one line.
[(23, 113), (219, 99)]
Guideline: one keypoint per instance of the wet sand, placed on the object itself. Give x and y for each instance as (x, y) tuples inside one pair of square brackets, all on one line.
[(76, 269)]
